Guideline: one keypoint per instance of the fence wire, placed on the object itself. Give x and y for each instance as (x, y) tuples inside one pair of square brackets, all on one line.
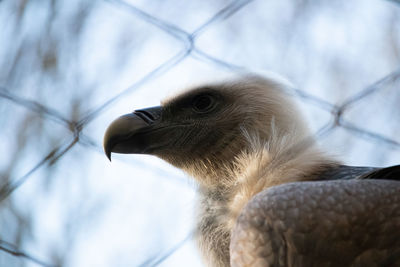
[(189, 49)]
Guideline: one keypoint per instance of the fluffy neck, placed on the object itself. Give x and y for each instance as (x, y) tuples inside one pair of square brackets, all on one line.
[(264, 164)]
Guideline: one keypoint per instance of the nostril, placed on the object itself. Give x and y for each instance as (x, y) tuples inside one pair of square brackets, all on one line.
[(144, 115), (149, 115)]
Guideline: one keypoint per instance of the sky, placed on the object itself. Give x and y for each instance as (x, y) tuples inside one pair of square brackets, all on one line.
[(92, 61)]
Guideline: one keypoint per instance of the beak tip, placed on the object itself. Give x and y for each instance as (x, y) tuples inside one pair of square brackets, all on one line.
[(108, 153)]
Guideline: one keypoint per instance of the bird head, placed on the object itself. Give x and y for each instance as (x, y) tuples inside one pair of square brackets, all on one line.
[(207, 127)]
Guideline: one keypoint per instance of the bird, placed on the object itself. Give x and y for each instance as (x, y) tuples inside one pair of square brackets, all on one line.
[(269, 195)]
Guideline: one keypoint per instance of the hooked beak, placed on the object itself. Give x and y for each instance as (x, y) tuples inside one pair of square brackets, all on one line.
[(127, 134)]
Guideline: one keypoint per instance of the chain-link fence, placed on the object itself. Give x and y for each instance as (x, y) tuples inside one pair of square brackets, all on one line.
[(339, 112)]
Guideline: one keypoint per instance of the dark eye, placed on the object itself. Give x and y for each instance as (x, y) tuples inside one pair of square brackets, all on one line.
[(203, 103)]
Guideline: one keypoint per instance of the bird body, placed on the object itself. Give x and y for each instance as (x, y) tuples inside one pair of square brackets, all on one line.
[(324, 223), (268, 195)]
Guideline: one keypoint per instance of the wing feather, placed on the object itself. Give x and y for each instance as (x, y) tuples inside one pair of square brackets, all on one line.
[(325, 223)]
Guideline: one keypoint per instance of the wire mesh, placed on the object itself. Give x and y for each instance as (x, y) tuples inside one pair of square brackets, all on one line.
[(190, 49)]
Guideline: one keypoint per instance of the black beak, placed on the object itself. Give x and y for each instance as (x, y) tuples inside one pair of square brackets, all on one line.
[(126, 134)]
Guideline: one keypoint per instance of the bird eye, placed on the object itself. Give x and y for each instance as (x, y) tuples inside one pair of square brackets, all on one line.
[(203, 103)]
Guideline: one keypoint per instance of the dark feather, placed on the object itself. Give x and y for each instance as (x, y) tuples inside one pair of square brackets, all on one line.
[(344, 172), (389, 173)]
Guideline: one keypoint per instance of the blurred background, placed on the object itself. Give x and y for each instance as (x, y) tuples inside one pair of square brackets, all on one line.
[(69, 67)]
